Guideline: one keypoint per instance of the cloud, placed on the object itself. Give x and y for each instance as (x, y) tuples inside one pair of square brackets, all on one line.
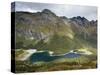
[(90, 12)]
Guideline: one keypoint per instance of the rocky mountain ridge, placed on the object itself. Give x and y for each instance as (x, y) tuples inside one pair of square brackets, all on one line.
[(46, 30)]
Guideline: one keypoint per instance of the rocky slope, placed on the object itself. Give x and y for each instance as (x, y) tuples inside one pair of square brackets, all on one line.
[(47, 31)]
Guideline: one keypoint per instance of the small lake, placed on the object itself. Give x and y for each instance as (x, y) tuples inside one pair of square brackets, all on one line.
[(46, 57)]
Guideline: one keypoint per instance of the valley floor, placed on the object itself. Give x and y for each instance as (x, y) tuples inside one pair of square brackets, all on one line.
[(24, 65)]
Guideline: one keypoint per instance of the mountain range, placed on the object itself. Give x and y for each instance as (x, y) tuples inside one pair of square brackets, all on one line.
[(46, 31)]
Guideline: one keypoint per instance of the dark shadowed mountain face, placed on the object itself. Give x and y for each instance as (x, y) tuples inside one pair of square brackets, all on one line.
[(46, 31)]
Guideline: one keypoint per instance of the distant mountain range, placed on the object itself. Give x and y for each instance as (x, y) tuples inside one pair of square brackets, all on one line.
[(46, 31)]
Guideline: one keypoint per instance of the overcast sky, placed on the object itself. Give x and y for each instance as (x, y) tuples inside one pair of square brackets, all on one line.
[(89, 12)]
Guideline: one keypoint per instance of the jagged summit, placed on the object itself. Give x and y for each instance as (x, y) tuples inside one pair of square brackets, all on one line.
[(79, 18), (46, 11)]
